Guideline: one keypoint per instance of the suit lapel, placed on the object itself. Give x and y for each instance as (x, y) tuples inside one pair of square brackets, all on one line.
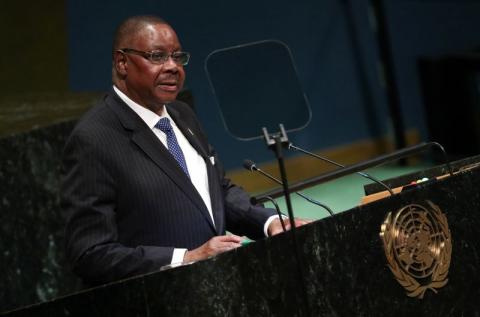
[(146, 140), (188, 132), (215, 190), (216, 197)]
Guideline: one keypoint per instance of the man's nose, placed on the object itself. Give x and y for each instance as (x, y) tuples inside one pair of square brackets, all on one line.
[(170, 64)]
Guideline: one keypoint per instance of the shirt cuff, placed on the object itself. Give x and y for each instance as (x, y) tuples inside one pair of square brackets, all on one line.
[(178, 255), (267, 224)]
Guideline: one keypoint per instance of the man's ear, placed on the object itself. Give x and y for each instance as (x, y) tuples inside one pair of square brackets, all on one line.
[(120, 63)]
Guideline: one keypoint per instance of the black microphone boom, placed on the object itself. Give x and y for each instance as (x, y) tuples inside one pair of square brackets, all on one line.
[(370, 177), (250, 165), (279, 213)]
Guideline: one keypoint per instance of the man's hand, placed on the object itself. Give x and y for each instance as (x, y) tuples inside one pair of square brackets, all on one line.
[(214, 246), (275, 226)]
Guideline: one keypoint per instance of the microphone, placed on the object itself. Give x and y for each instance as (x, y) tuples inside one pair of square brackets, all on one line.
[(250, 165), (370, 177)]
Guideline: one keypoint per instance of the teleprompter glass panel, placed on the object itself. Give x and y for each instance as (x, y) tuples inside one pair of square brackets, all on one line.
[(256, 85)]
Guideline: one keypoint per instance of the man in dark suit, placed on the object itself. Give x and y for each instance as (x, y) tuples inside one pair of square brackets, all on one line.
[(142, 187)]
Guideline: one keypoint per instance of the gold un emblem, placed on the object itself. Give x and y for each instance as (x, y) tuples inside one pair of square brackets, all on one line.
[(418, 247)]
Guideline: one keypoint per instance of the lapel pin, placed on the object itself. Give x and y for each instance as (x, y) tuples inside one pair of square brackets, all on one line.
[(190, 131)]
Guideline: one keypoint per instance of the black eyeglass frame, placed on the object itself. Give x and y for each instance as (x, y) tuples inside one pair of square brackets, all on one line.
[(164, 56)]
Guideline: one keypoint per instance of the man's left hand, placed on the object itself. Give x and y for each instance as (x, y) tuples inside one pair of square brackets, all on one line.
[(275, 226)]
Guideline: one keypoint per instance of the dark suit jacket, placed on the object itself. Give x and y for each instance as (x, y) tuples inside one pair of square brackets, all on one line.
[(129, 204)]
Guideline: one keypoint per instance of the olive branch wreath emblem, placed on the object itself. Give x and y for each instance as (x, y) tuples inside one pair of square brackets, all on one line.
[(418, 248)]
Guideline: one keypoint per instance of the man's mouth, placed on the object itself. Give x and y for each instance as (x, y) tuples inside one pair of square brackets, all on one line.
[(169, 85)]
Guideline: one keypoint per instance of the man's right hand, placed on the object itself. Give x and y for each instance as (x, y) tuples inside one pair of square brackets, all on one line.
[(214, 246)]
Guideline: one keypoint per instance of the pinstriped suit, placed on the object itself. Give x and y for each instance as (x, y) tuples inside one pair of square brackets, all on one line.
[(129, 204)]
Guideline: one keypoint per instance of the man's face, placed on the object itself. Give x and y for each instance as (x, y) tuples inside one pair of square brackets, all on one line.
[(153, 85)]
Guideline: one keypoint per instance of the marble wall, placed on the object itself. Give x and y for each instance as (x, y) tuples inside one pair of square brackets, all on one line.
[(33, 130), (31, 223)]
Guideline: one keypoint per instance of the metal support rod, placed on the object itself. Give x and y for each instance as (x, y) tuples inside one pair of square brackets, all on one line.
[(387, 63), (356, 168)]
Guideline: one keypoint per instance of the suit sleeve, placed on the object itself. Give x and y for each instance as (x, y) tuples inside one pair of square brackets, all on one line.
[(88, 200)]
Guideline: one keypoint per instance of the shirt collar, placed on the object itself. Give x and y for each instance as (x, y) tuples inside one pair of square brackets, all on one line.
[(150, 117)]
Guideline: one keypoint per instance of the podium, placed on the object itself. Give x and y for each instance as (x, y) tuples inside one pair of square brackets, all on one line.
[(346, 270)]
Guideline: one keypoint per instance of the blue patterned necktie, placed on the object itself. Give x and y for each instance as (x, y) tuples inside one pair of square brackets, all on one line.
[(164, 125)]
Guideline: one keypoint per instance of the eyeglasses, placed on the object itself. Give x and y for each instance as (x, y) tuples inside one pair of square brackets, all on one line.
[(159, 57)]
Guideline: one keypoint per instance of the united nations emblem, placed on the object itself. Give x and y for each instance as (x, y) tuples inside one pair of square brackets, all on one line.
[(418, 247)]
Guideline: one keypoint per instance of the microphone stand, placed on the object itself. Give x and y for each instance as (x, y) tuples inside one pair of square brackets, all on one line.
[(275, 143), (249, 165)]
